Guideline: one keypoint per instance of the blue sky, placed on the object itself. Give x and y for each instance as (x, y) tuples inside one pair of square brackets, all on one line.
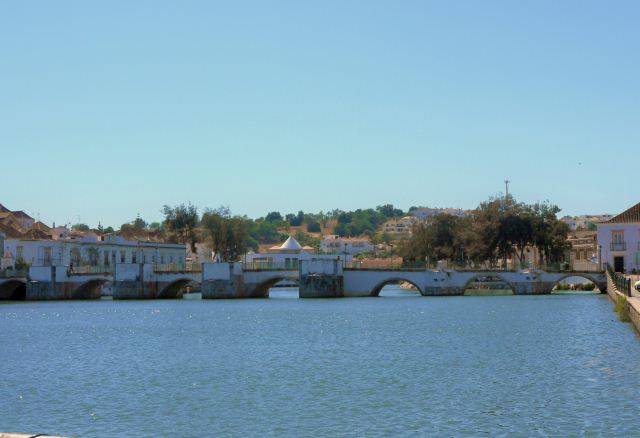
[(109, 109)]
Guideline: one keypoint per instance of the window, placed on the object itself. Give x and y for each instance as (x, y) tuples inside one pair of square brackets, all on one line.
[(123, 256), (617, 236), (617, 241), (46, 256), (133, 257), (75, 256), (106, 258), (20, 252)]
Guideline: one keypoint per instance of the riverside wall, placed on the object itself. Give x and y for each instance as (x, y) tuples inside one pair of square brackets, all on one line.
[(634, 302)]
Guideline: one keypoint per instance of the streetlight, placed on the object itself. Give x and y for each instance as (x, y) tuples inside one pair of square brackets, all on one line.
[(462, 249), (345, 254), (600, 257)]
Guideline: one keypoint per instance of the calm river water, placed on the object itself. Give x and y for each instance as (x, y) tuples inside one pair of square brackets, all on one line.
[(391, 366)]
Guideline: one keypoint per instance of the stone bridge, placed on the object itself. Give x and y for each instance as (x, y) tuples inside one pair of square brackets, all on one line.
[(13, 285), (361, 282), (128, 281), (144, 281), (61, 283), (316, 278), (230, 280)]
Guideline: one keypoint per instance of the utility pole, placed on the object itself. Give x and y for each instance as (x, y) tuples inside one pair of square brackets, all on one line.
[(506, 185)]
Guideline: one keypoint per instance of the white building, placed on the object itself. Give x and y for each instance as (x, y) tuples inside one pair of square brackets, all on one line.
[(400, 228), (288, 254), (619, 241), (109, 251), (424, 213), (333, 244)]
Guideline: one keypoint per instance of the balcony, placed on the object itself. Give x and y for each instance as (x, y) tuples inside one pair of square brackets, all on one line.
[(618, 246)]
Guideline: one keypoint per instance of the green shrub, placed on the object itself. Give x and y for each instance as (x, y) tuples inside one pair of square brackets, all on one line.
[(622, 308), (21, 264)]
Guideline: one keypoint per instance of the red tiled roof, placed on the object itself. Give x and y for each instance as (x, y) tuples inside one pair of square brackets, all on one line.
[(10, 232), (21, 214), (631, 215)]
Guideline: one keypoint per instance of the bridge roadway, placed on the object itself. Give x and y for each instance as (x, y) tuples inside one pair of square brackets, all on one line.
[(316, 279)]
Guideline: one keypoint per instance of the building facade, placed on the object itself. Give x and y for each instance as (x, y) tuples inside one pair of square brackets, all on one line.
[(619, 241), (109, 251), (400, 228), (584, 250), (333, 244)]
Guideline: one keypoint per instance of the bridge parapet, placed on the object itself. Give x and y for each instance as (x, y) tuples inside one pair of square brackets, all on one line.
[(59, 283)]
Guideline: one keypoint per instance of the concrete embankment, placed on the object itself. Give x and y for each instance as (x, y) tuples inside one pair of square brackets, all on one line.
[(634, 302)]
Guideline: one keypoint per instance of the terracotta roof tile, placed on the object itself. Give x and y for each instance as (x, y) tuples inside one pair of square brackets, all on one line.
[(631, 215)]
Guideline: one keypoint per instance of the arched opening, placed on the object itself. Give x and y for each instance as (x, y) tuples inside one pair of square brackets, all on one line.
[(89, 290), (13, 290), (277, 287), (396, 287), (577, 284), (175, 289), (488, 285)]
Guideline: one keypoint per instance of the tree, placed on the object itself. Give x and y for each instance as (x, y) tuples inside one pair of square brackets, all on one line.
[(313, 227), (181, 221), (273, 216), (139, 223), (80, 227), (388, 211), (108, 230), (228, 234)]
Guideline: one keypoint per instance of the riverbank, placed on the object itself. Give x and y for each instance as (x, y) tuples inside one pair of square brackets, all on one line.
[(633, 303)]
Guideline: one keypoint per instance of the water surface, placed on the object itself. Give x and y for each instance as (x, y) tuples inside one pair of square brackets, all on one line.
[(387, 366)]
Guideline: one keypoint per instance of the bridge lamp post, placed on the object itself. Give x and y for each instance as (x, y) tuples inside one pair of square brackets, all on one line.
[(600, 257), (345, 254)]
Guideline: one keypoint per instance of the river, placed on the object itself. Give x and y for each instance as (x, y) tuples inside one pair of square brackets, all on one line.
[(386, 366)]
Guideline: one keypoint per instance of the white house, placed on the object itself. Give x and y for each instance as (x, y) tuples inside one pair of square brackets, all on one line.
[(400, 228), (619, 241), (109, 251), (333, 244)]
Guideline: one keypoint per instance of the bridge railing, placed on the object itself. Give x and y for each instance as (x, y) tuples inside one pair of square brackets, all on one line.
[(358, 265), (177, 267), (90, 269), (622, 283), (270, 266), (13, 273)]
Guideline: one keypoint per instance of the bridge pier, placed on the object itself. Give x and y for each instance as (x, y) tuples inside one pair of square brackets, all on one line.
[(56, 283), (229, 280), (221, 280), (141, 282), (321, 279)]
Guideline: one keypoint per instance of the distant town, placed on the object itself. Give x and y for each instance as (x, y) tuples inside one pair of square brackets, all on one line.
[(373, 236)]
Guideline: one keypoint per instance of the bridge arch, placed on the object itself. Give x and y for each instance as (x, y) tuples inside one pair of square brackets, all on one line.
[(499, 277), (90, 289), (262, 288), (375, 292), (14, 290), (601, 286), (173, 289)]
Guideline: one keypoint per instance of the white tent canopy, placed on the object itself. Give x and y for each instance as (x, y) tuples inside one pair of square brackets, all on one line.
[(290, 244)]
